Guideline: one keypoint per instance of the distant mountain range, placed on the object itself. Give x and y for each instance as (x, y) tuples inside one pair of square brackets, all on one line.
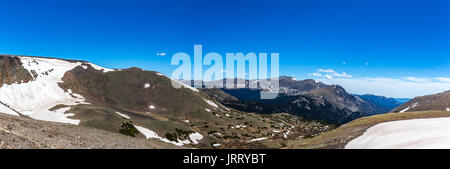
[(309, 99), (402, 100)]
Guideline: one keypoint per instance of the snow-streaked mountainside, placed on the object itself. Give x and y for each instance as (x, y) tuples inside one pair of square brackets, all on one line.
[(440, 101), (36, 97)]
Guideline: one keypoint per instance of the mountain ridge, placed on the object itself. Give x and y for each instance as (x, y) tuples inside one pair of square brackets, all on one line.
[(306, 98)]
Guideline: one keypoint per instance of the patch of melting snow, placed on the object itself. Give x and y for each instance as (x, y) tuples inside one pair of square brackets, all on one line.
[(146, 85), (97, 67), (217, 144), (240, 126), (123, 115), (151, 107), (194, 137), (404, 110), (409, 107), (207, 110), (186, 121), (257, 139), (276, 131), (211, 103), (177, 83), (285, 135), (216, 133), (448, 109)]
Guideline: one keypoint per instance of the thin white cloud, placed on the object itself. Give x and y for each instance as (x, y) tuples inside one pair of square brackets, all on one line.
[(316, 74), (443, 79), (330, 74), (415, 79), (326, 70), (161, 54)]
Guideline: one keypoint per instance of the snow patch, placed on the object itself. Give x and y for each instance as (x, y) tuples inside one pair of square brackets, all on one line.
[(405, 110), (179, 83), (431, 133), (100, 68), (211, 103), (207, 110), (182, 84), (146, 85), (194, 137), (240, 126), (217, 144), (409, 107), (257, 139), (285, 135), (123, 115), (216, 133), (448, 109), (151, 107)]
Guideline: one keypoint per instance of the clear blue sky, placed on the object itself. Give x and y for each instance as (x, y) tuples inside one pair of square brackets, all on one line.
[(404, 40)]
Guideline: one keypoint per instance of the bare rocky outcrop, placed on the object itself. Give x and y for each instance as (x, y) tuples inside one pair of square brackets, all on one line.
[(12, 71)]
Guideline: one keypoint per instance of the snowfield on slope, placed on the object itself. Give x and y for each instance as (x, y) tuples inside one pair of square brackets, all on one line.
[(194, 137), (35, 98), (431, 133)]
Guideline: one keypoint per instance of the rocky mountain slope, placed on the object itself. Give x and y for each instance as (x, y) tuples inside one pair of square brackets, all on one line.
[(305, 98), (137, 103), (383, 104), (25, 133), (440, 101)]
